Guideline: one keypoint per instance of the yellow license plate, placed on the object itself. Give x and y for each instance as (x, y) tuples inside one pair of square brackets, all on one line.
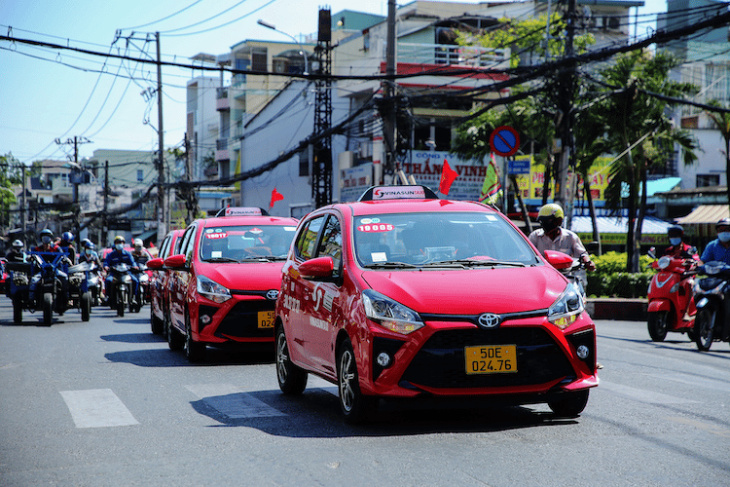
[(266, 319), (491, 359)]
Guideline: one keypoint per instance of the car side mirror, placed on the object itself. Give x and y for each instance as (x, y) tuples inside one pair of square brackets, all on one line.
[(155, 264), (559, 260), (319, 269), (176, 262)]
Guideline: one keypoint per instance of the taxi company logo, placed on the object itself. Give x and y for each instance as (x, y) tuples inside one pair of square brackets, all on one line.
[(489, 320), (272, 294), (396, 193)]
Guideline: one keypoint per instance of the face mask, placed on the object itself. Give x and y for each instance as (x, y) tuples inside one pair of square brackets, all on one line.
[(119, 247), (549, 225), (46, 239), (724, 236), (675, 241)]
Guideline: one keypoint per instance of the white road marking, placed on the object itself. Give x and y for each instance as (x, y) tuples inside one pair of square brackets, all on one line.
[(232, 401), (643, 395), (97, 408), (701, 425)]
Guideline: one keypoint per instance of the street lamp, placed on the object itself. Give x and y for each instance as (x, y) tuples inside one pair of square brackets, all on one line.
[(263, 23)]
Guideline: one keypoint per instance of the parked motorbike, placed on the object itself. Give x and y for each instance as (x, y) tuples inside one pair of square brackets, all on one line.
[(713, 309), (83, 279), (120, 294), (671, 305)]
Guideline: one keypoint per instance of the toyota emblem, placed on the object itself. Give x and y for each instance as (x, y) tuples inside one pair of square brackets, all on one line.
[(489, 320), (272, 295)]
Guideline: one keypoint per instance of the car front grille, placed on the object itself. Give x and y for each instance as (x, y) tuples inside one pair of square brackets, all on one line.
[(242, 321), (441, 361)]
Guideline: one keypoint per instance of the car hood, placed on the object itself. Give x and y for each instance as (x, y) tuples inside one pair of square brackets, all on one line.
[(256, 276), (472, 291)]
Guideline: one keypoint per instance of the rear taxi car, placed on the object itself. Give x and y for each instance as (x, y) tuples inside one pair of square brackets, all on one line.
[(226, 279), (404, 295), (159, 289)]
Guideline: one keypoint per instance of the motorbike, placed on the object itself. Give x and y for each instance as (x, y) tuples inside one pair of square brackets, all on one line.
[(83, 281), (143, 275), (40, 284), (713, 309), (573, 269), (120, 294), (671, 305)]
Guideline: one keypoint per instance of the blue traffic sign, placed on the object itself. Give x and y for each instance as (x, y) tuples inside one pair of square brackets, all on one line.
[(518, 166), (504, 141)]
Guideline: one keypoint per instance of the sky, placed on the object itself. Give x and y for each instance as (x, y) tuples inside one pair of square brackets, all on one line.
[(49, 94)]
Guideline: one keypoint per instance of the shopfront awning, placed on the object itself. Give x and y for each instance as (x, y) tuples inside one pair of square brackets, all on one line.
[(613, 230), (701, 221)]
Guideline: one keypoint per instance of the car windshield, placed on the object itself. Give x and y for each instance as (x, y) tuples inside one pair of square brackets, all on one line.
[(439, 239), (245, 242)]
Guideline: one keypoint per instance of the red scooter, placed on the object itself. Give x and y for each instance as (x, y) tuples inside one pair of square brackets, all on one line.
[(671, 305)]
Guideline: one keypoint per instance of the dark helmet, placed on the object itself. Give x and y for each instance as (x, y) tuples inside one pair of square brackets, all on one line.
[(675, 230), (67, 237), (17, 244), (46, 233), (725, 222)]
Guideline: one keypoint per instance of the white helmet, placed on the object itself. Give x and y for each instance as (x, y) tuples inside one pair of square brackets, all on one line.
[(138, 243)]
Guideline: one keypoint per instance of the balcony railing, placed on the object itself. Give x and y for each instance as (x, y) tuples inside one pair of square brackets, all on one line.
[(471, 56), (221, 150), (222, 101)]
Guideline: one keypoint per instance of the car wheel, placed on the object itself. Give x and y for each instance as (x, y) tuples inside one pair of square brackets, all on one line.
[(17, 311), (85, 303), (174, 339), (157, 324), (705, 327), (47, 309), (353, 404), (292, 379), (569, 404), (658, 325), (194, 351)]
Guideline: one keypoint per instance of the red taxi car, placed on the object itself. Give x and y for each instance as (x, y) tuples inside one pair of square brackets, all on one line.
[(159, 283), (404, 295), (226, 279)]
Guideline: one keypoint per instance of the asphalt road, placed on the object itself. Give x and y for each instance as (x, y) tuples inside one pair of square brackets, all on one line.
[(106, 403)]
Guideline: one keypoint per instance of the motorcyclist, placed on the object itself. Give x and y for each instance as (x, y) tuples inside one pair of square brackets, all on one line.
[(552, 237), (141, 256), (719, 249), (16, 253), (66, 245), (47, 244), (679, 249), (120, 256), (87, 253)]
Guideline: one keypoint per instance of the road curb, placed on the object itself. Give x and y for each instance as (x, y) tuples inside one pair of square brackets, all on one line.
[(624, 309)]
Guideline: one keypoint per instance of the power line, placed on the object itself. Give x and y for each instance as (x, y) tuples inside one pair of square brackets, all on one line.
[(164, 18)]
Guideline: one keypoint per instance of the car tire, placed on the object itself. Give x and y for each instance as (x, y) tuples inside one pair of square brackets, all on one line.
[(157, 325), (569, 404), (17, 311), (704, 330), (658, 325), (85, 304), (354, 405), (292, 379), (194, 351), (47, 309), (174, 339)]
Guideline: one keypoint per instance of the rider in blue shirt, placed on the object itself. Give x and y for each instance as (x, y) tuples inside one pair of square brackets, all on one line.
[(120, 256), (719, 249)]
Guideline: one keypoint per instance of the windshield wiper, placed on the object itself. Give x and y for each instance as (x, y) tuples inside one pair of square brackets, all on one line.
[(390, 265), (469, 262), (222, 259)]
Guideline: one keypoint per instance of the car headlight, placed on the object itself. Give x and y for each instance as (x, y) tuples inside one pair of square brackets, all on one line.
[(390, 314), (567, 308), (210, 289)]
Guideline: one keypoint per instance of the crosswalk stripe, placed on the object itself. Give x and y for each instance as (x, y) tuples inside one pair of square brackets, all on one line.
[(97, 408), (232, 401)]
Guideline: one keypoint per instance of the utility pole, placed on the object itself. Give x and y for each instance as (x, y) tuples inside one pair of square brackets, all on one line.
[(390, 108), (23, 205), (191, 203), (105, 225), (322, 149), (566, 86), (75, 175), (161, 205)]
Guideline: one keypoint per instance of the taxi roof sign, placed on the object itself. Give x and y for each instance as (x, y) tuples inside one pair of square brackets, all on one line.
[(406, 192), (242, 211)]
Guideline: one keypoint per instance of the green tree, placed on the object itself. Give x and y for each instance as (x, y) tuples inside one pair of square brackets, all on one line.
[(10, 174), (640, 130)]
